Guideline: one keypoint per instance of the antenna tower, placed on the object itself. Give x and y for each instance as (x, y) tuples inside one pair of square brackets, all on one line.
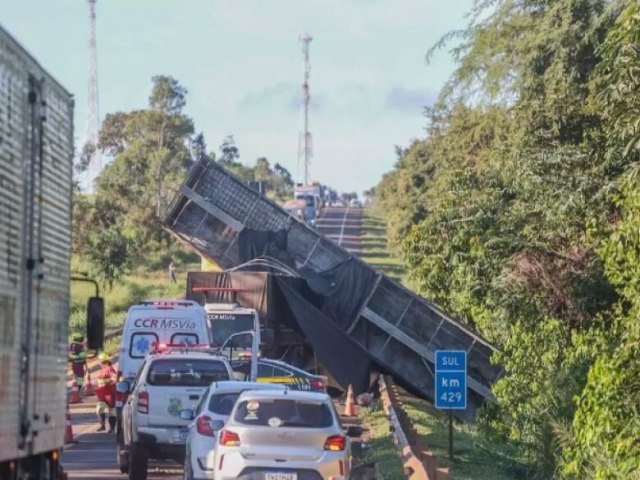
[(305, 147), (93, 115)]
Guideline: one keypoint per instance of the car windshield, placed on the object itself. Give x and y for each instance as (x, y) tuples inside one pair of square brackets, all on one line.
[(186, 373), (222, 403), (284, 413), (292, 369), (223, 325)]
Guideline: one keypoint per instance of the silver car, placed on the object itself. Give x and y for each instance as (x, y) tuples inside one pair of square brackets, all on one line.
[(289, 435), (209, 418)]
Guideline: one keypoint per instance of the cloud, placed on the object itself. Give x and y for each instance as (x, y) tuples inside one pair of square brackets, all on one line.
[(279, 96), (283, 97), (403, 99)]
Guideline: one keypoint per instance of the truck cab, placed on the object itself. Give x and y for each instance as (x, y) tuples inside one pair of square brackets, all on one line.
[(310, 201), (298, 208), (236, 331)]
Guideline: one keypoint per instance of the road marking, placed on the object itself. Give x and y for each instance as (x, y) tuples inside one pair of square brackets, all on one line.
[(344, 221)]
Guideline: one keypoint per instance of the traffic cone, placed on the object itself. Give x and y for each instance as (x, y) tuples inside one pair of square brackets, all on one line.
[(349, 406), (74, 396), (88, 387), (68, 433)]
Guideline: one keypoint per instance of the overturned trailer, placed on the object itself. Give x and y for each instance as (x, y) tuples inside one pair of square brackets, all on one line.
[(353, 309)]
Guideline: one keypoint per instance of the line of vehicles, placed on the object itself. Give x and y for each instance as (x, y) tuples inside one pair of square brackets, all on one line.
[(215, 405), (309, 200)]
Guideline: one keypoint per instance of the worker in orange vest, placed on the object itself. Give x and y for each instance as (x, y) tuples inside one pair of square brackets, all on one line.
[(106, 393)]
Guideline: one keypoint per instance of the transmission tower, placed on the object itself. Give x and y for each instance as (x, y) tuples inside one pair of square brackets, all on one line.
[(305, 147), (93, 114)]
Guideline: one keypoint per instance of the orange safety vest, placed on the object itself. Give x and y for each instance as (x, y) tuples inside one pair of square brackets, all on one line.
[(106, 390)]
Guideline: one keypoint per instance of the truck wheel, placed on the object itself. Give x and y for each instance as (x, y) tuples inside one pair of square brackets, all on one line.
[(138, 462), (122, 455)]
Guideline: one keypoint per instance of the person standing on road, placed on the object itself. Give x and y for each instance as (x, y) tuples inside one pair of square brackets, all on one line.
[(106, 393), (78, 358), (172, 273)]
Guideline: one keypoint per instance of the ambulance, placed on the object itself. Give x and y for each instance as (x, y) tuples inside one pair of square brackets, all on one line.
[(150, 325)]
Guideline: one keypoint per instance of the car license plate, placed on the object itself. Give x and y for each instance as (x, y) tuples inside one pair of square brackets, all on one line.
[(181, 435), (280, 476)]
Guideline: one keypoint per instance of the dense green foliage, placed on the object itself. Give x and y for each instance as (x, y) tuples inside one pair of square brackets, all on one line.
[(118, 226), (520, 212)]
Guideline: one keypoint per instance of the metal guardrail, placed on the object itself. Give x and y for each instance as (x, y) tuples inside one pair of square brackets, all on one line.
[(418, 464), (116, 332)]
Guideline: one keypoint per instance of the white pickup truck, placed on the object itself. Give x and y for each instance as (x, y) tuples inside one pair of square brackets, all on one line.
[(167, 383)]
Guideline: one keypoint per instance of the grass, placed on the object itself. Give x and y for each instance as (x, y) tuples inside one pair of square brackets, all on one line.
[(142, 284), (382, 450), (474, 457), (375, 248)]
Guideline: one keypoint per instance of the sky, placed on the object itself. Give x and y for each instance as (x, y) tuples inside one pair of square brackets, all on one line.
[(241, 62)]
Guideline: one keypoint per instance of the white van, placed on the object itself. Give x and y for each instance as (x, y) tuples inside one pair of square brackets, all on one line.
[(154, 323)]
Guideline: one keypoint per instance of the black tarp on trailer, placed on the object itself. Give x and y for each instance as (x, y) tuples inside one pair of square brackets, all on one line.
[(291, 314), (225, 221)]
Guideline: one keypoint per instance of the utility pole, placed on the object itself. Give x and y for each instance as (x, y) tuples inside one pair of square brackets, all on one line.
[(305, 147), (93, 115)]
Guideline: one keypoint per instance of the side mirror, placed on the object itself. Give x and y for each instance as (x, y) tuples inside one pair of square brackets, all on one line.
[(354, 431), (187, 414), (123, 387), (95, 323)]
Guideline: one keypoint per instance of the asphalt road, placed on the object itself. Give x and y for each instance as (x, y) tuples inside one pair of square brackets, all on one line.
[(94, 454), (343, 225)]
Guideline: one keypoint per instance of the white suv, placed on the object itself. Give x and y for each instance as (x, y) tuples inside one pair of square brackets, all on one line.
[(166, 384)]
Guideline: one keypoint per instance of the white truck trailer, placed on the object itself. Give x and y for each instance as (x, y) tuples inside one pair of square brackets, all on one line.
[(36, 156)]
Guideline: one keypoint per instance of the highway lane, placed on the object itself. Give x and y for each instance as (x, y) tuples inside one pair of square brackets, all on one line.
[(94, 454), (343, 225)]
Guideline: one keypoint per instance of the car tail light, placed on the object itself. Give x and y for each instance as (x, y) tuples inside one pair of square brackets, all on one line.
[(336, 443), (143, 402), (229, 438), (203, 425), (318, 385), (341, 463)]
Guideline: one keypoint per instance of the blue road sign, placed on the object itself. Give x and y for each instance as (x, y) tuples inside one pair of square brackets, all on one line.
[(451, 379)]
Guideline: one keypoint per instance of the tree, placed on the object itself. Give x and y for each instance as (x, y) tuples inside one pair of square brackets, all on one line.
[(229, 152), (262, 171), (603, 440), (151, 157), (98, 236), (168, 95), (199, 147), (500, 212), (151, 154), (282, 182)]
